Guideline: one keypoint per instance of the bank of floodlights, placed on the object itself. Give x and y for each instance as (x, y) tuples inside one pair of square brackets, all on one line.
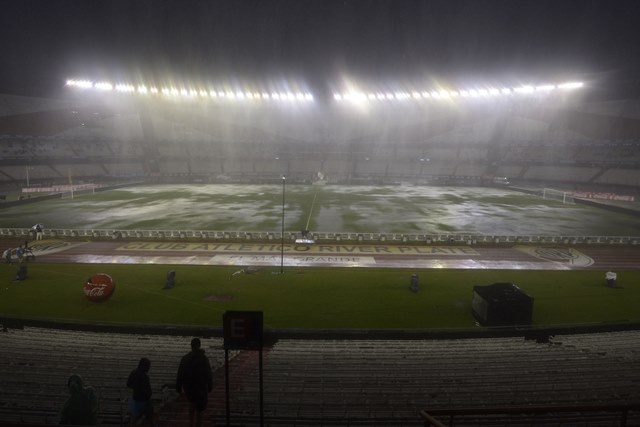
[(491, 92), (219, 93), (173, 92)]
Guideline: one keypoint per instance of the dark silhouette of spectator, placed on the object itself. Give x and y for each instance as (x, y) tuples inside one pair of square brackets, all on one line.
[(195, 379), (81, 408), (140, 405)]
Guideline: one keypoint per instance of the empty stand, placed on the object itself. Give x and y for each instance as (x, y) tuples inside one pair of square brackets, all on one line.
[(361, 382)]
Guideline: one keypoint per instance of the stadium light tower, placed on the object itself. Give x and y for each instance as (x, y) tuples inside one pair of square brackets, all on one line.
[(284, 178)]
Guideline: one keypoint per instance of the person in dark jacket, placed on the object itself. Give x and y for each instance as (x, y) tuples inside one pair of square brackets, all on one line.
[(195, 379), (140, 404), (81, 408)]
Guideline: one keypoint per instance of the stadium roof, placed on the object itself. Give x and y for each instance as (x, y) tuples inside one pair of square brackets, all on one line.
[(464, 43)]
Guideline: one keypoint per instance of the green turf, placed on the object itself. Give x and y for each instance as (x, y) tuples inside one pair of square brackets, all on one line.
[(362, 209), (310, 298)]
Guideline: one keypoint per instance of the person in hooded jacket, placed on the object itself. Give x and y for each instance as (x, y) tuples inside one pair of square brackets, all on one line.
[(196, 380), (81, 408), (140, 405)]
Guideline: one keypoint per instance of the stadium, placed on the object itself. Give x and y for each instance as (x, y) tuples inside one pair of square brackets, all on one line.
[(409, 251)]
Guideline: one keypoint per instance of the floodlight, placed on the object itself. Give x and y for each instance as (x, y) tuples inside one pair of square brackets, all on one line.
[(444, 94), (308, 97), (175, 91), (464, 93), (142, 89), (193, 92), (483, 92), (265, 95), (371, 96), (154, 90), (240, 95), (166, 91), (231, 95), (453, 94), (104, 86), (204, 93), (545, 88), (426, 95), (221, 94), (473, 93), (124, 88), (79, 83), (300, 96), (506, 91), (571, 85), (290, 96), (276, 96), (213, 94), (435, 95), (494, 92), (524, 89), (184, 92)]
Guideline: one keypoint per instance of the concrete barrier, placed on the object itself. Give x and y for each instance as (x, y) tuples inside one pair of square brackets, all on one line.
[(363, 238)]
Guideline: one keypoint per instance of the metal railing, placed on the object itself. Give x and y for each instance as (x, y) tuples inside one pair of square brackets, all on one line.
[(333, 237), (569, 414)]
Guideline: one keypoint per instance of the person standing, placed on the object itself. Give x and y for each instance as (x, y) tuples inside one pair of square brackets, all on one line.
[(19, 254), (140, 404), (81, 408), (196, 380), (38, 228)]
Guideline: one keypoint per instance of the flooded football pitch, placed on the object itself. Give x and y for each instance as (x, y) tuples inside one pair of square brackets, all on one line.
[(330, 208)]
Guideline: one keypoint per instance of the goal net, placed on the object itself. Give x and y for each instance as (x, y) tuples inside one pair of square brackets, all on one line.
[(561, 196)]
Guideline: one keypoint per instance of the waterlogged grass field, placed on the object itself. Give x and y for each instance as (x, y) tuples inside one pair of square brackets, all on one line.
[(315, 298), (310, 298), (393, 209)]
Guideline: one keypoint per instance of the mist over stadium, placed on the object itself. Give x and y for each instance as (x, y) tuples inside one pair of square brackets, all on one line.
[(372, 213)]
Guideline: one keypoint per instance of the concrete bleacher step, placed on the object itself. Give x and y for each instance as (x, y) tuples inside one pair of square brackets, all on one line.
[(321, 379)]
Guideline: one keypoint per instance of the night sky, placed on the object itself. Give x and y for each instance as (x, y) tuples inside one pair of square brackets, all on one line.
[(318, 41)]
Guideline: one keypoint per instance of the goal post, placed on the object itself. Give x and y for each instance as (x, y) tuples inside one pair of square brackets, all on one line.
[(559, 195)]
